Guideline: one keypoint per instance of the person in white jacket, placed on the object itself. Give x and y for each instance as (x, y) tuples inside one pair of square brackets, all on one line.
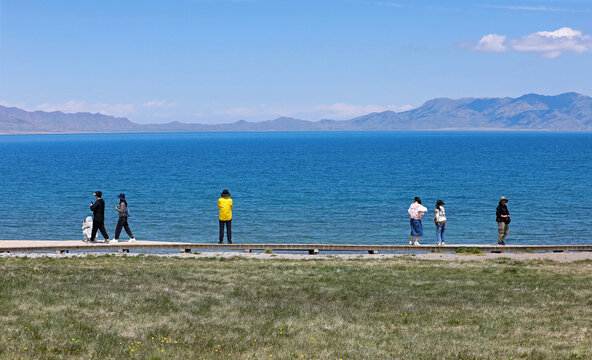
[(87, 228), (416, 211), (440, 221)]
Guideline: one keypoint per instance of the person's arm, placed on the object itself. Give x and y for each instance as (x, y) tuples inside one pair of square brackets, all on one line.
[(231, 203), (121, 208), (94, 206)]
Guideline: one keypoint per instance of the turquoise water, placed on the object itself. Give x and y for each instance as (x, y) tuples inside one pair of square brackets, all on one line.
[(350, 188)]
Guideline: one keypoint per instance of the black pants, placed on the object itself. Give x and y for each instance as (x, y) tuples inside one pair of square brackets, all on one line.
[(98, 225), (228, 231), (122, 222)]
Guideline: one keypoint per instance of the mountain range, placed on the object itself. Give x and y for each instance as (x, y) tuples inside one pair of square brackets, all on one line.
[(564, 112)]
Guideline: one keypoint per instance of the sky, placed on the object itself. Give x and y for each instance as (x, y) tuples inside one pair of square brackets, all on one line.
[(217, 61)]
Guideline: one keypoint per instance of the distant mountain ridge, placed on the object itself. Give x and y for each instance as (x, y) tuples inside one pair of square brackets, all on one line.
[(565, 112)]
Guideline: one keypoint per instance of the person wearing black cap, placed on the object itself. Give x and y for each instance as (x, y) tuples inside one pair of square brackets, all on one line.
[(122, 222), (502, 216), (225, 216), (98, 209)]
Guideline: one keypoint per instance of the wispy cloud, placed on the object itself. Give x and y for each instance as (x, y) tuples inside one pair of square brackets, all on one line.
[(492, 43), (382, 3), (159, 110), (535, 8), (159, 103), (73, 106), (550, 44), (337, 111)]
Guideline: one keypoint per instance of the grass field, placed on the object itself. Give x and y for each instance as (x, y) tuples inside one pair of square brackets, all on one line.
[(148, 307)]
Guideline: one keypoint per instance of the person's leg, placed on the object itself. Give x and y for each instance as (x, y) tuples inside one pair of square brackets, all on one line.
[(506, 230), (229, 231), (221, 238), (118, 228), (93, 234), (442, 233), (103, 231), (127, 228), (438, 234), (500, 232)]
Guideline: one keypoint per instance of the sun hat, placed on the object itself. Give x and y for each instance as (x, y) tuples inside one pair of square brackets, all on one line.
[(121, 196), (502, 198), (98, 193), (225, 193)]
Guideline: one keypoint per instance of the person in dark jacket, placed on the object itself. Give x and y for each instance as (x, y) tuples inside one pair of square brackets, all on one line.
[(502, 216), (98, 209), (122, 222)]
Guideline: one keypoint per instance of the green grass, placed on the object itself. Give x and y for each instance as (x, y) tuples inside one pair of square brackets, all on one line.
[(473, 251), (161, 308)]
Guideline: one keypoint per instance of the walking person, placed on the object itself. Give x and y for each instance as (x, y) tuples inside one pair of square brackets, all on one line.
[(502, 216), (98, 209), (225, 216), (416, 211), (122, 222), (440, 221)]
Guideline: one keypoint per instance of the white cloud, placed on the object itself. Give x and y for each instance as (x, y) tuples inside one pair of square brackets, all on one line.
[(159, 103), (73, 106), (550, 44), (336, 111), (160, 110), (492, 43)]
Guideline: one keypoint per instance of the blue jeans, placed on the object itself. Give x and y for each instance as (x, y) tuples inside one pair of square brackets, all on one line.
[(440, 230)]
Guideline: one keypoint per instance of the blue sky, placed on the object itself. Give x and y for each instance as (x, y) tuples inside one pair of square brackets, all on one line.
[(220, 61)]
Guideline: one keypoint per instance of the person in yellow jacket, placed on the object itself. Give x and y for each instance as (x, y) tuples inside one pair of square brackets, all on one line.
[(225, 217)]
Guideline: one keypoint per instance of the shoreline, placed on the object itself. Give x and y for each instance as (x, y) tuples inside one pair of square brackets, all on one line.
[(562, 257)]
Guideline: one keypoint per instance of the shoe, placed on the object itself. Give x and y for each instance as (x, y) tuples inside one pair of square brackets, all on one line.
[(106, 241), (439, 244), (443, 243), (501, 243), (220, 242), (115, 241), (410, 242), (132, 240), (230, 242), (416, 243)]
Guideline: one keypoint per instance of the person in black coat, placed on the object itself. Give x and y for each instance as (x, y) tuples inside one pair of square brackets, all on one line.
[(502, 216), (98, 209)]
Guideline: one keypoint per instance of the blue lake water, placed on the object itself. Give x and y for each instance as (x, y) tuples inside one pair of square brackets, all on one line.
[(350, 188)]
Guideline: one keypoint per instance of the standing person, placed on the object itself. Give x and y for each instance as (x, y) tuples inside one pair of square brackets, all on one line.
[(86, 228), (225, 215), (440, 220), (122, 222), (416, 211), (98, 209), (502, 216)]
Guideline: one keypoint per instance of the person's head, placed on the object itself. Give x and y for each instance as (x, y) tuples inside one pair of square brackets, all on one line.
[(98, 194), (121, 197), (225, 193), (439, 203), (503, 200), (417, 200)]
